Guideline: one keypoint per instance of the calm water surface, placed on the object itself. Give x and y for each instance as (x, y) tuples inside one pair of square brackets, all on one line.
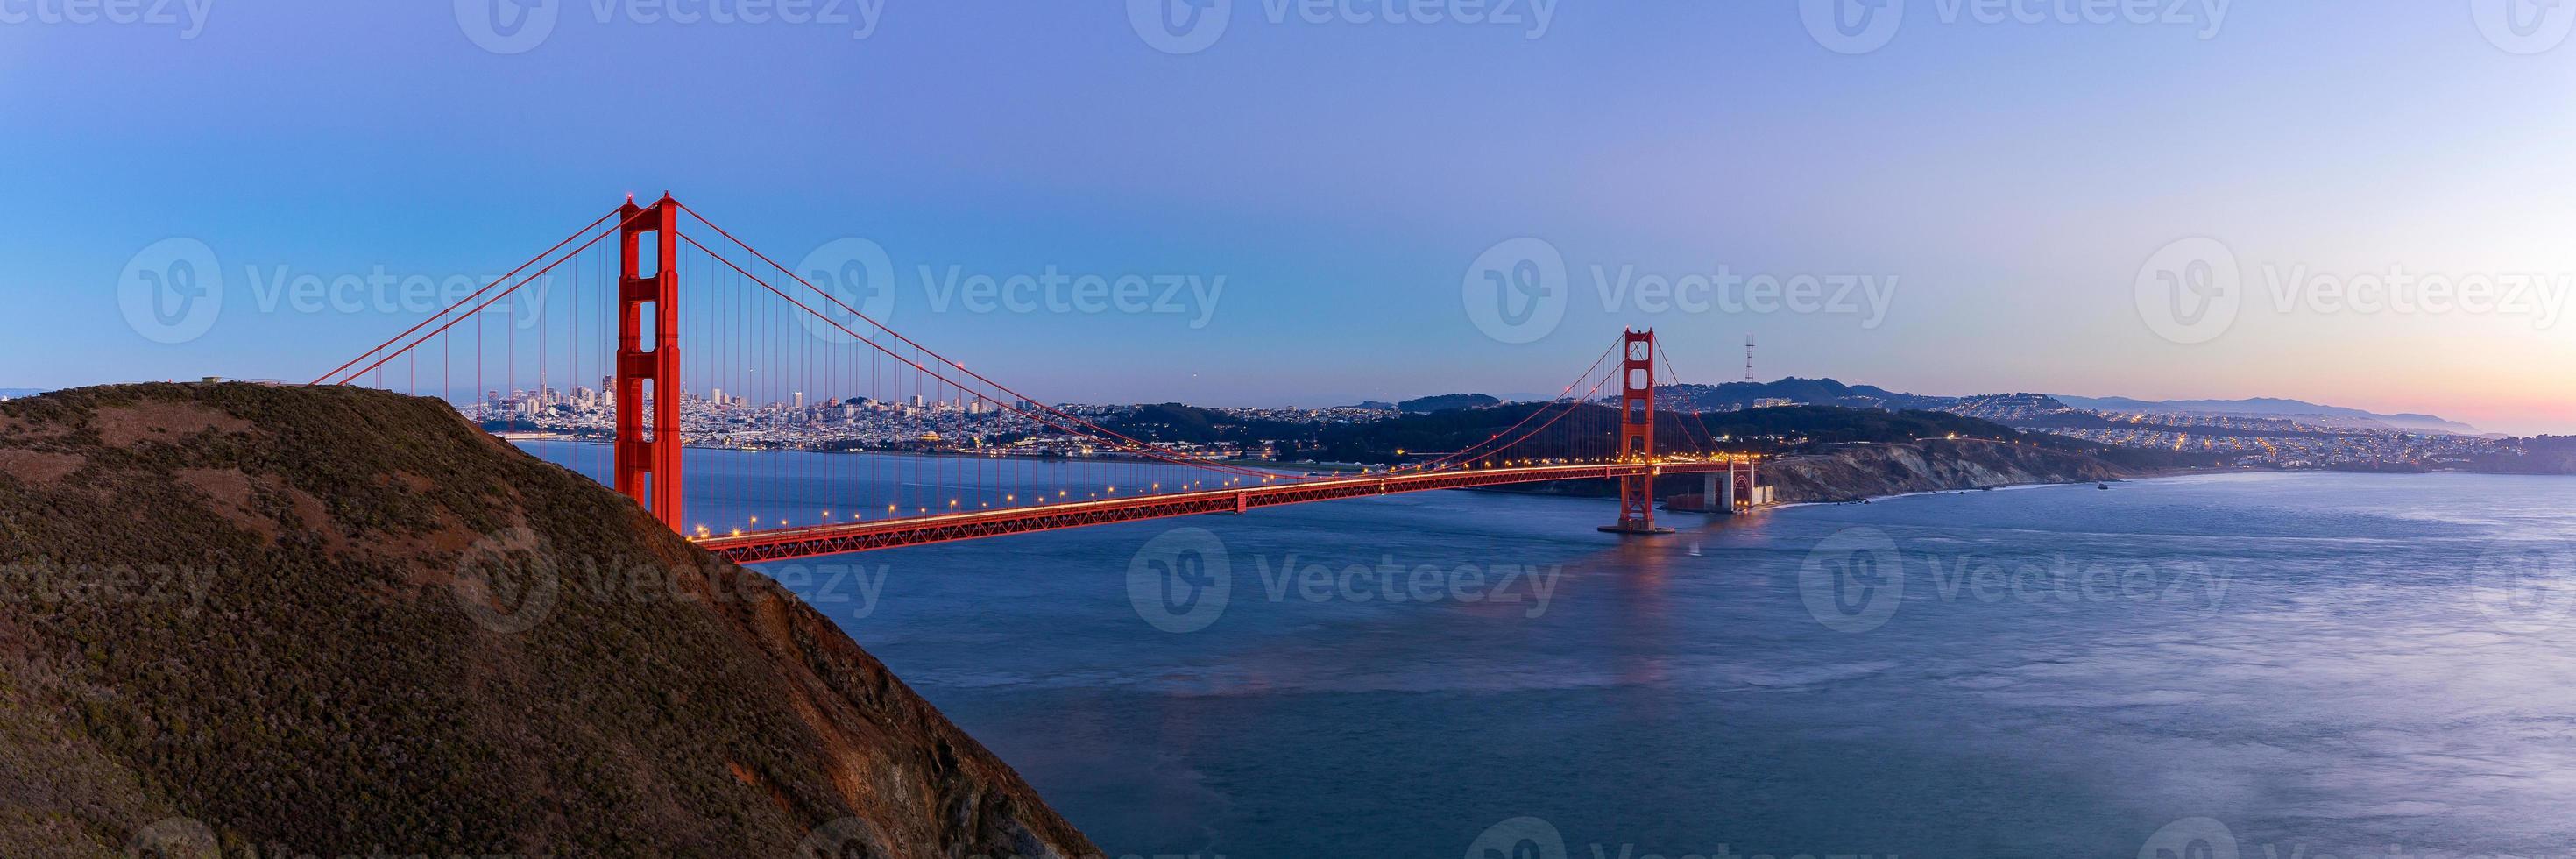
[(2341, 664)]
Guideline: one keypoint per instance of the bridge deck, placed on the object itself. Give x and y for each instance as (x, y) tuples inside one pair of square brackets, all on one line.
[(810, 541)]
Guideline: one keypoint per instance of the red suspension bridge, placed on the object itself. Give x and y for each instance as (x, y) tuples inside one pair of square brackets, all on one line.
[(941, 452)]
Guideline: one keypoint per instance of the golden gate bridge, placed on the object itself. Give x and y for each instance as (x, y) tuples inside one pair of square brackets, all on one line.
[(754, 325)]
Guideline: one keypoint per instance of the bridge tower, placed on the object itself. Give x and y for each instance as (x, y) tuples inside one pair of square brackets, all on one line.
[(648, 465), (1637, 437)]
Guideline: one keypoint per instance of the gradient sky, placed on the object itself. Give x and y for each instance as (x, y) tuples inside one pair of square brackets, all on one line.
[(2012, 178)]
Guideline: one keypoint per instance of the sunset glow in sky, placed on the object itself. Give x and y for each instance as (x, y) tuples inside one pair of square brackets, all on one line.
[(2000, 195)]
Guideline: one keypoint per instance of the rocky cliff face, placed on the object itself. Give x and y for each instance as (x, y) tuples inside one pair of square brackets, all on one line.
[(1850, 472), (332, 621)]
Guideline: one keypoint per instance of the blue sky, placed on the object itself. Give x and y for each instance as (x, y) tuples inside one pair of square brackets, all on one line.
[(2006, 185)]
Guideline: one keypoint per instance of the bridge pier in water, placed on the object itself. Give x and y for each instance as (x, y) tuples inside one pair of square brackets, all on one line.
[(1735, 490)]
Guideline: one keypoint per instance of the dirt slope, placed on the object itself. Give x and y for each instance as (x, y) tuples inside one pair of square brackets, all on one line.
[(329, 621)]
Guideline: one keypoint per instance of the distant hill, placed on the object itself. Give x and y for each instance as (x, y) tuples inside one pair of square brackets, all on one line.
[(1812, 392), (2034, 410), (2274, 407), (2038, 411), (1445, 402), (324, 621), (2548, 454)]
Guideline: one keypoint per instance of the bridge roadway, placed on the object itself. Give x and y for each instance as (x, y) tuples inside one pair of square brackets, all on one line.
[(814, 540)]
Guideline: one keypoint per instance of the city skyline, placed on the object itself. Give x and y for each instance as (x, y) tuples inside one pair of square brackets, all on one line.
[(1903, 177)]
